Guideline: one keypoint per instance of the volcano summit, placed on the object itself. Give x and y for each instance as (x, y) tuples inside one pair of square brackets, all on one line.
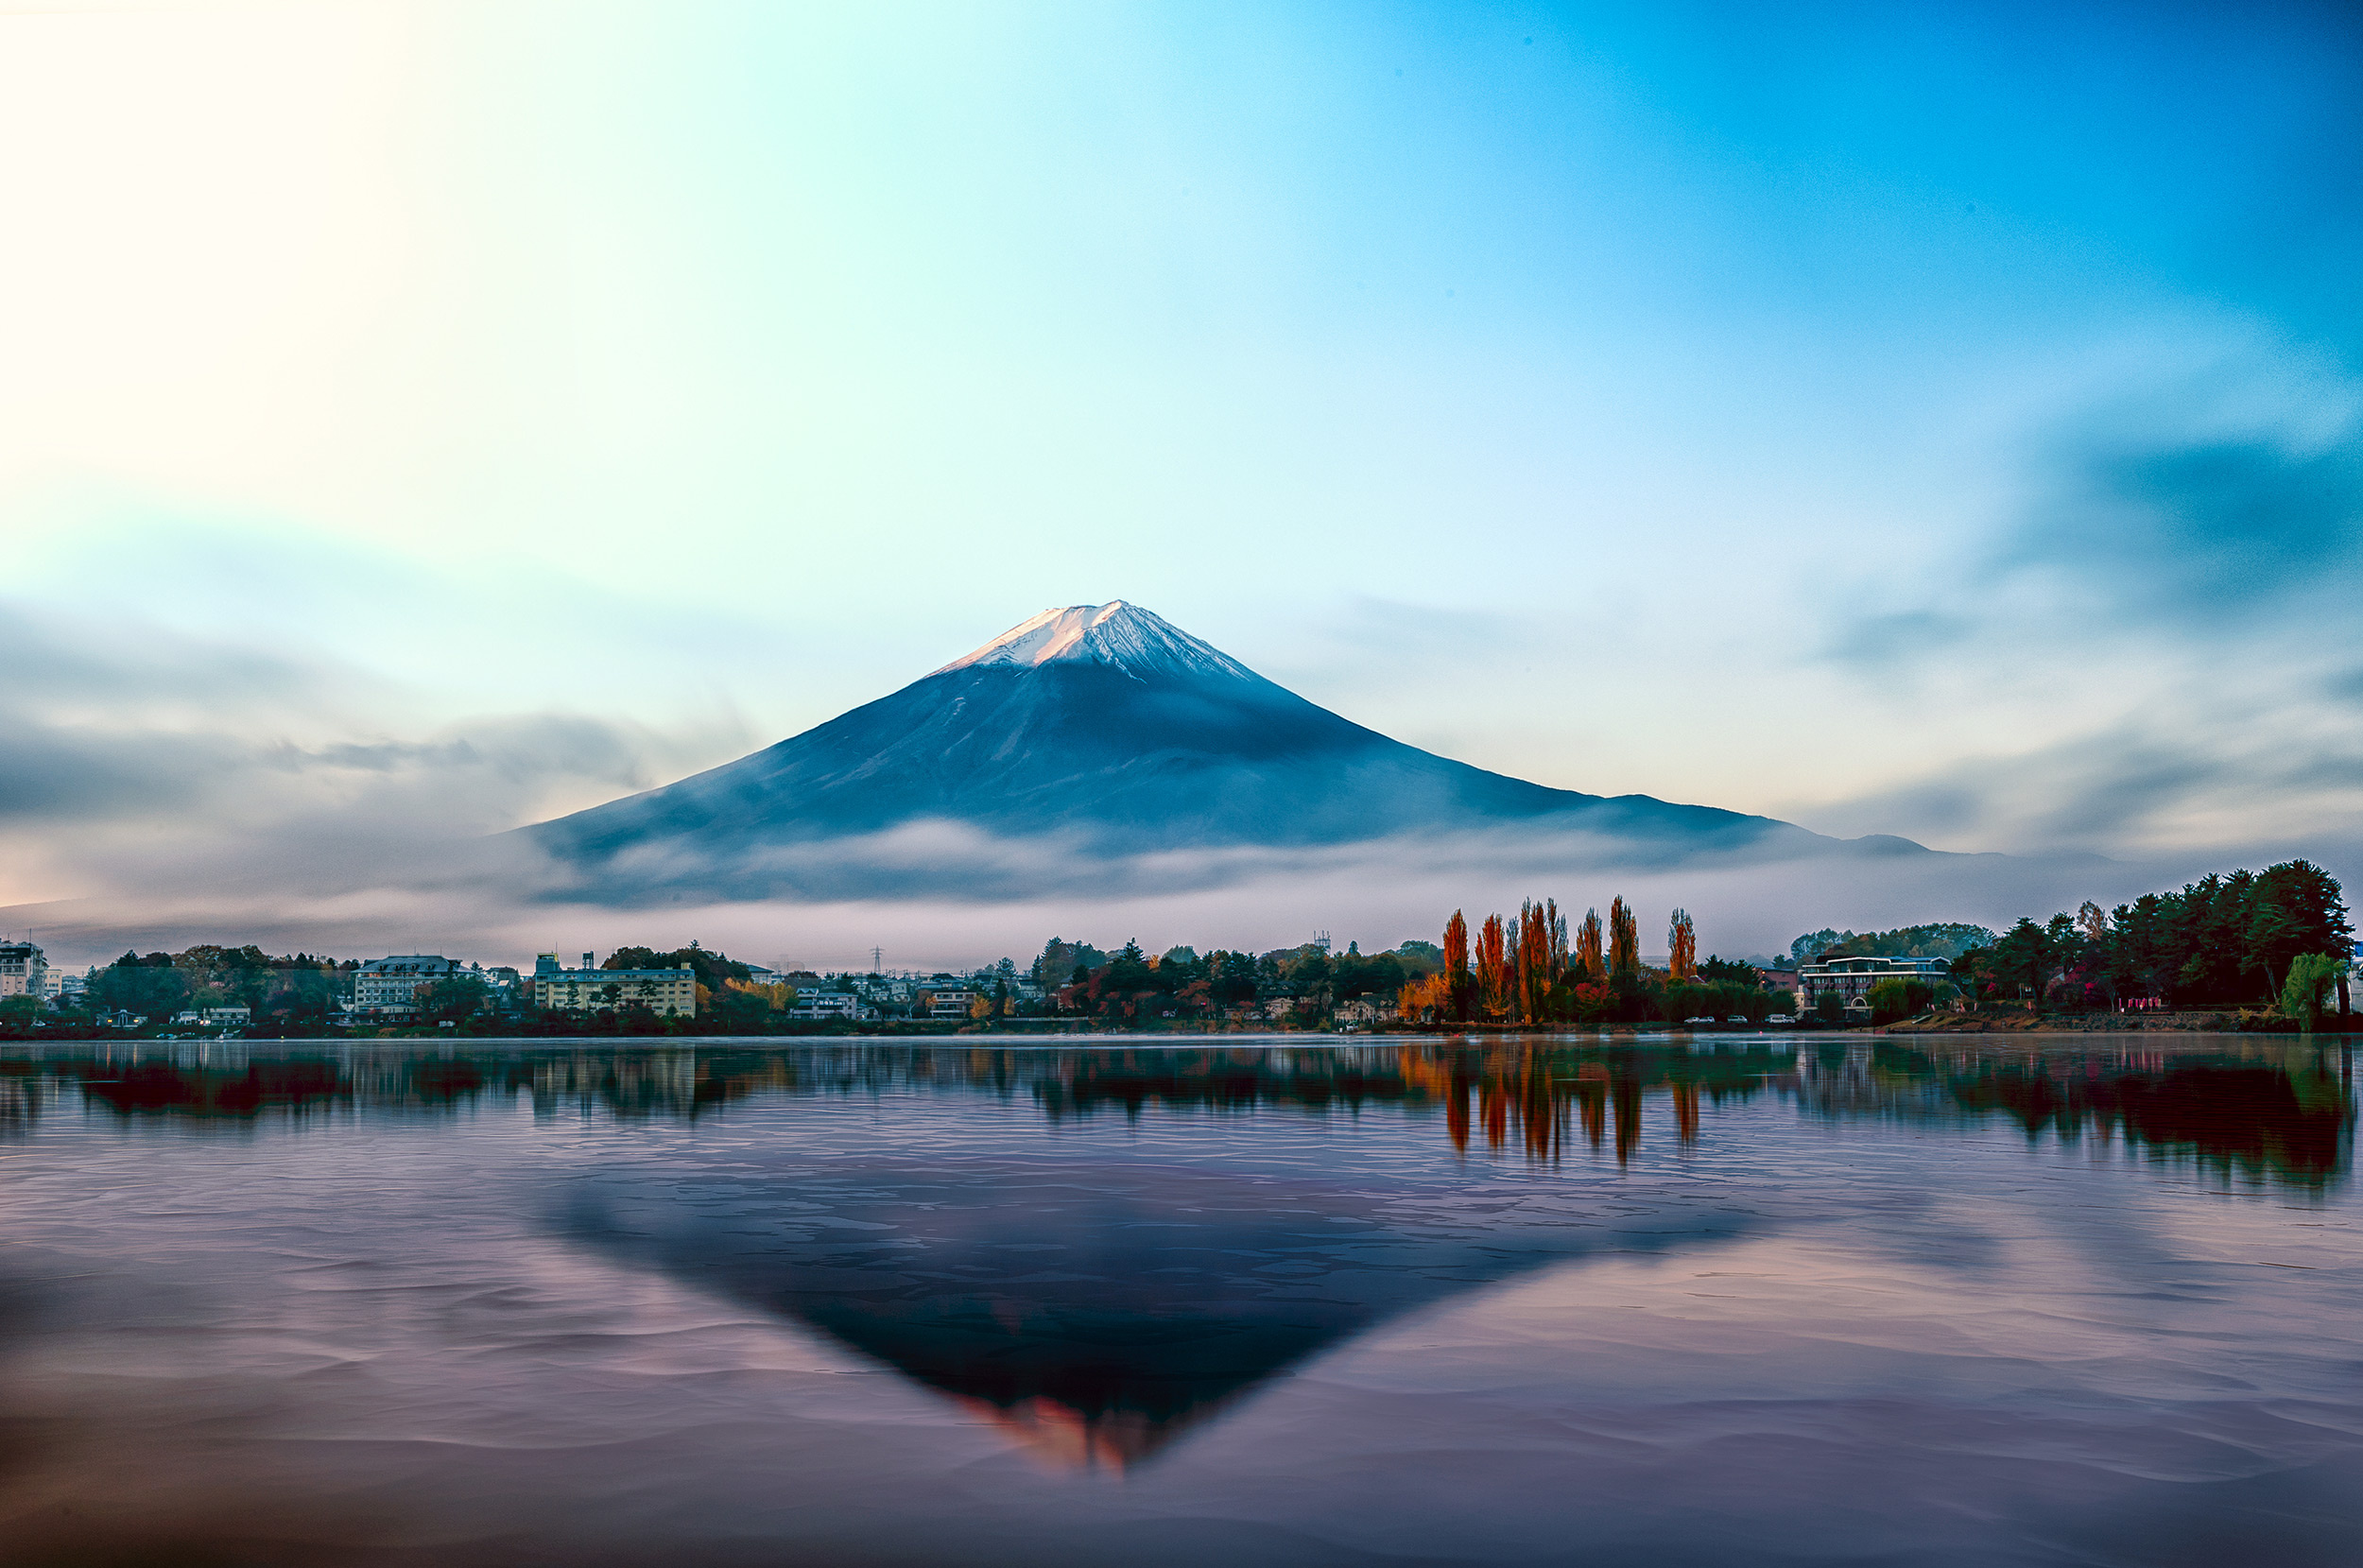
[(1109, 732)]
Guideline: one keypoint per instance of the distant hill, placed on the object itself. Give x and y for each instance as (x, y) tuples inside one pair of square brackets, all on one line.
[(1106, 730)]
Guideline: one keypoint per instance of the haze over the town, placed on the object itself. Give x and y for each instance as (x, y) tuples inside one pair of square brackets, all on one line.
[(418, 422)]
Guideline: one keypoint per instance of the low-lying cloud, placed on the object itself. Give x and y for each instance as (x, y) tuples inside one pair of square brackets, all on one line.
[(2152, 794), (149, 780), (936, 893)]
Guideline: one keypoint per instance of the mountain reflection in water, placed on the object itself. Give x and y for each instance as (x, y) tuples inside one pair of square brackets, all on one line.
[(1097, 1311), (1745, 1300)]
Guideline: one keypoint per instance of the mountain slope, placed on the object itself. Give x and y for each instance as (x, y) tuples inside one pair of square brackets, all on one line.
[(1112, 727)]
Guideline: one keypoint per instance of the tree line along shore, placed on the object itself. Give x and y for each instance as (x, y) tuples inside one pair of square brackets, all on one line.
[(2267, 950)]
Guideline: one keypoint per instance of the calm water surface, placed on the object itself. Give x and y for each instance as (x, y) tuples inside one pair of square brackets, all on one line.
[(2095, 1300)]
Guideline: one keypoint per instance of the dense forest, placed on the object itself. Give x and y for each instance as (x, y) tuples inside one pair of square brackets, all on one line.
[(2220, 941), (1182, 983), (1946, 940), (290, 991)]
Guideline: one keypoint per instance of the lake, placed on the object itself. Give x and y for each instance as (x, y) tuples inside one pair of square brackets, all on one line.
[(1750, 1300)]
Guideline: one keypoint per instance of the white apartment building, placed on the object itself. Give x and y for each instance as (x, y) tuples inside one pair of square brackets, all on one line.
[(826, 1003), (23, 972)]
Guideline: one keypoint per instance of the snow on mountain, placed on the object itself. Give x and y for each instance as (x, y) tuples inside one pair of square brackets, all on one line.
[(1139, 642)]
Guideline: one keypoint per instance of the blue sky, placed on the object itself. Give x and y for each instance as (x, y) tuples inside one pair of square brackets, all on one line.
[(1942, 424)]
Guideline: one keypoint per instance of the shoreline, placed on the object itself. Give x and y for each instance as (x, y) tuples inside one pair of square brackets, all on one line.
[(1017, 1033)]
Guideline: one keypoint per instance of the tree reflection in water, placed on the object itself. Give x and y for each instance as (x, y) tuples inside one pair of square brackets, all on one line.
[(2261, 1110)]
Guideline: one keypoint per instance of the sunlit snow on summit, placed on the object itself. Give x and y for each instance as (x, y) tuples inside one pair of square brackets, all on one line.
[(1125, 635)]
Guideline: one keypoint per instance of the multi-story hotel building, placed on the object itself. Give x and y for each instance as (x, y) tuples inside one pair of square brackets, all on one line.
[(588, 989), (22, 970), (1852, 978)]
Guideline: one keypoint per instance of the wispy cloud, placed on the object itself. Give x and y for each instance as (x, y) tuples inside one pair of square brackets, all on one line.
[(1884, 642), (2224, 792), (2198, 532), (2149, 652)]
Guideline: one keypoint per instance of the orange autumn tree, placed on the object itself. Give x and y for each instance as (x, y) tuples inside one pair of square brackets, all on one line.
[(1541, 957), (1457, 981), (1681, 943), (1493, 968)]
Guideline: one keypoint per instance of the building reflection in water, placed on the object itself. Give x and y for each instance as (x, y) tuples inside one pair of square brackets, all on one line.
[(1097, 1310)]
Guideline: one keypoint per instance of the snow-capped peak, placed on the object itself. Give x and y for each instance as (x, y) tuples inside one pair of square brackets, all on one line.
[(1137, 641)]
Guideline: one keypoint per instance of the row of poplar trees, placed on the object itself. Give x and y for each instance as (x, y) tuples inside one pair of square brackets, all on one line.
[(1525, 971)]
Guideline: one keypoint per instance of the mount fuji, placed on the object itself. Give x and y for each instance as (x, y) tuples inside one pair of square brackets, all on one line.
[(1109, 734)]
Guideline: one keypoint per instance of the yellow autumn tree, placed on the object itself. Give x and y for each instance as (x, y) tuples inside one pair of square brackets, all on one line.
[(1429, 998), (1588, 957), (779, 996)]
